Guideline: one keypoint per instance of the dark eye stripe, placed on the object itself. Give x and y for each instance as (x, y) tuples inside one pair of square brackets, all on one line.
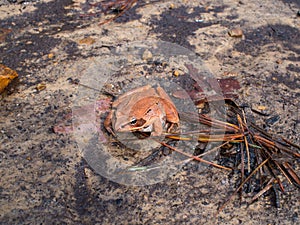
[(133, 121)]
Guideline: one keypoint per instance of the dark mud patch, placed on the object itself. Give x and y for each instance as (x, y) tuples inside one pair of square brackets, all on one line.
[(294, 68), (81, 192), (268, 38), (291, 2), (176, 25), (16, 53), (101, 197), (39, 28), (277, 39), (287, 79), (50, 13)]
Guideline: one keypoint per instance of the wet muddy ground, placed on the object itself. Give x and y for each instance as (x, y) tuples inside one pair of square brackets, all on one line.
[(45, 179)]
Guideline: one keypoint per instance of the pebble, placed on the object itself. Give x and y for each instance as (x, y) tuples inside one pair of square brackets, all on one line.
[(176, 73), (50, 56), (172, 6), (41, 86), (147, 55), (235, 32), (261, 107)]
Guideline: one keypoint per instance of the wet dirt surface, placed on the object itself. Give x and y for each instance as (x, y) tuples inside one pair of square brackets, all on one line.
[(45, 179)]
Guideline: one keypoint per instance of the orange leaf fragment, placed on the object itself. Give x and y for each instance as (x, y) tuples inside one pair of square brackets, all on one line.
[(87, 41), (6, 76), (261, 107)]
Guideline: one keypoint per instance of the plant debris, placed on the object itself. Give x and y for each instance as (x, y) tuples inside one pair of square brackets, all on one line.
[(116, 8), (248, 149), (87, 41), (6, 76), (245, 148)]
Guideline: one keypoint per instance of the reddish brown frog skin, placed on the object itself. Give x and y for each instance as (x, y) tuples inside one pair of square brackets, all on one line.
[(142, 109)]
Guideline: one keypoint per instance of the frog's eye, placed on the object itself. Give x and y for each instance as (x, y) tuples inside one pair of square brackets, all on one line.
[(133, 121)]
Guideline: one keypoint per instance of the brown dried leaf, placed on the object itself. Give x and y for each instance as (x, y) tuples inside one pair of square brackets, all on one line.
[(6, 76), (3, 33), (87, 41)]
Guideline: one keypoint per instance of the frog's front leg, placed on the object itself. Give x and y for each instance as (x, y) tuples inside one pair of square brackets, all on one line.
[(108, 123), (158, 127)]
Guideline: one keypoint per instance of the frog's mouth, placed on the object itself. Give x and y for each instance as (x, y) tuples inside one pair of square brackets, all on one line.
[(147, 129), (134, 125), (139, 125)]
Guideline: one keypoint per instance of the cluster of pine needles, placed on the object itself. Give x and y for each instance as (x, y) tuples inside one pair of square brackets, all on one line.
[(261, 156)]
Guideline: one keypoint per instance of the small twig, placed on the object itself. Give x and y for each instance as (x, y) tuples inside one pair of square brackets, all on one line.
[(246, 141), (282, 171), (217, 123), (123, 10), (242, 153), (265, 189), (209, 138), (291, 172), (290, 143), (242, 184), (193, 157)]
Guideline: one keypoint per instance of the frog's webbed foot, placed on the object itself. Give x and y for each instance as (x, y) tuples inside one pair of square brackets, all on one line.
[(110, 130), (171, 127)]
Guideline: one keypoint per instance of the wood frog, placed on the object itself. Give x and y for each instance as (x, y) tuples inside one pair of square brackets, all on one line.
[(145, 109)]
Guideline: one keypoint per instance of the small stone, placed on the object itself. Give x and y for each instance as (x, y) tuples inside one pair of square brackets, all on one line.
[(230, 73), (176, 73), (50, 56), (147, 55), (279, 61), (172, 6), (236, 32), (41, 86), (201, 105), (261, 107)]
